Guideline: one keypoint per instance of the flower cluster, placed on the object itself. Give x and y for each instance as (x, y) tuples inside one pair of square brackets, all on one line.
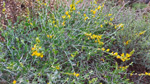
[(123, 67), (4, 8), (123, 57), (96, 9), (141, 74), (72, 7), (50, 36), (79, 1), (68, 13), (54, 21), (97, 38), (127, 42), (36, 49), (35, 52), (76, 74), (119, 26), (85, 17), (141, 33), (56, 67)]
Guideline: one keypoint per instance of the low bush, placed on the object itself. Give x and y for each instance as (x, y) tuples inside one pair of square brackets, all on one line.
[(76, 44)]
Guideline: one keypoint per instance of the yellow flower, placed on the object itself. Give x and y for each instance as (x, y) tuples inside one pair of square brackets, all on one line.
[(118, 57), (94, 12), (48, 36), (141, 33), (69, 16), (111, 19), (63, 23), (78, 2), (100, 36), (37, 40), (78, 12), (127, 42), (41, 55), (101, 26), (123, 60), (84, 15), (51, 36), (72, 5), (103, 5), (4, 9), (115, 27), (146, 73), (109, 14), (76, 74), (121, 25), (138, 74), (128, 55), (112, 53), (99, 7), (86, 18), (55, 26), (108, 50), (88, 34), (53, 22), (37, 54), (102, 59), (74, 8), (67, 13), (45, 4), (34, 53), (93, 16), (72, 55), (34, 47), (110, 23), (57, 67), (31, 23), (116, 53), (95, 2), (101, 43), (63, 16), (14, 82), (103, 49), (122, 55), (105, 21)]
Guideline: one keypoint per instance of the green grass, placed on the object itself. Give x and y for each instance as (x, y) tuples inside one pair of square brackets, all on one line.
[(90, 47)]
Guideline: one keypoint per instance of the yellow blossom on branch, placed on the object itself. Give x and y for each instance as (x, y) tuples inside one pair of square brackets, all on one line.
[(109, 14), (101, 26), (76, 74), (14, 82), (63, 16), (141, 33), (86, 18), (99, 7), (63, 23), (67, 13)]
